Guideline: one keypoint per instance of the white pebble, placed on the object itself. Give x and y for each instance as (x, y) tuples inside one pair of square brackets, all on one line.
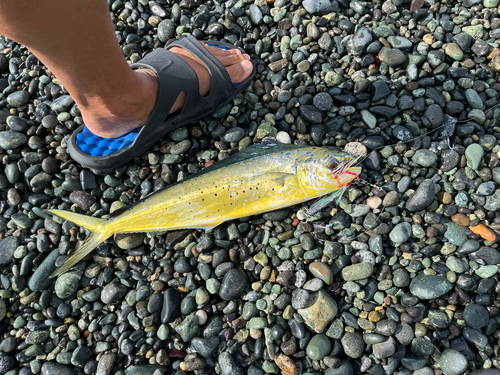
[(283, 137), (202, 317)]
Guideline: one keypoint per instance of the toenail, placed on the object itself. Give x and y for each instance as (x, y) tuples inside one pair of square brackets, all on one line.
[(246, 57)]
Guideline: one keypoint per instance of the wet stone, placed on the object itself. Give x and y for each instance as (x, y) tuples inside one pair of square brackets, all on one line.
[(206, 347), (320, 7), (322, 271), (10, 140), (423, 196), (106, 364), (476, 316), (379, 90), (40, 279), (67, 283), (7, 248), (113, 292), (319, 347), (392, 56), (401, 232), (188, 328), (425, 158), (233, 284), (228, 365), (7, 363), (62, 104), (429, 287), (345, 368), (357, 271), (323, 101), (353, 344), (452, 362), (18, 98)]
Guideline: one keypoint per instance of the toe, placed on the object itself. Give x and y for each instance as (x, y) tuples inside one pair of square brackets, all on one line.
[(240, 71), (232, 59), (216, 51)]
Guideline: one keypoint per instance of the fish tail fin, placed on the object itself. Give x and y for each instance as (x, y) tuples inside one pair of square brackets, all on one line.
[(88, 222), (100, 232)]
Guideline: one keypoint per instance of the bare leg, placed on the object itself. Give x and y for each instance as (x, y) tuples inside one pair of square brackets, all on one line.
[(75, 39)]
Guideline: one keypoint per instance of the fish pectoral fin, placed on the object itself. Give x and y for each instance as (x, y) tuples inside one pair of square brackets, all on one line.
[(278, 178)]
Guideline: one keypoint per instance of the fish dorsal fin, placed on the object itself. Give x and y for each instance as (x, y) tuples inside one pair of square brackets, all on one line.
[(253, 151)]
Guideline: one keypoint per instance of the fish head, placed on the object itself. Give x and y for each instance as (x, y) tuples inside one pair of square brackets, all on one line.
[(327, 173)]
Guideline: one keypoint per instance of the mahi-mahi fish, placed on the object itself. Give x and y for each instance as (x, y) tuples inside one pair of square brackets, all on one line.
[(261, 178)]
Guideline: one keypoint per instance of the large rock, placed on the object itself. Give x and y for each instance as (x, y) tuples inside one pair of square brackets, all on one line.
[(429, 287), (321, 308), (423, 196)]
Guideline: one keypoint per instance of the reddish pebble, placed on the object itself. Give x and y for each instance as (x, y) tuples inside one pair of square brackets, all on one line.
[(195, 252), (286, 364), (176, 353), (295, 222), (483, 231), (209, 163), (416, 4), (431, 232), (444, 197), (412, 86), (461, 219)]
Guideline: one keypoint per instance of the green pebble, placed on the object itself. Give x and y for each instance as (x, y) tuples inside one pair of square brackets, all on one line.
[(486, 272), (162, 332), (270, 367), (34, 350), (319, 347), (303, 66), (261, 258), (369, 119), (257, 323), (295, 42), (288, 312), (261, 304), (213, 286), (333, 79), (188, 304), (73, 332), (490, 3), (202, 296), (249, 310)]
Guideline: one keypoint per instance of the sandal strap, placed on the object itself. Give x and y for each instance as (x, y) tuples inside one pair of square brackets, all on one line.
[(175, 75), (221, 84)]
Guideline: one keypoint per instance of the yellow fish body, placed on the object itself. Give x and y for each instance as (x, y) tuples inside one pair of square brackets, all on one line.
[(261, 178)]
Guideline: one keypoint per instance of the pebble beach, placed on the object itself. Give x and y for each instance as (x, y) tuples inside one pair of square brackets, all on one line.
[(400, 277)]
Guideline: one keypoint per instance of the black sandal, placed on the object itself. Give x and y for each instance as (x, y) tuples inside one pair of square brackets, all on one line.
[(174, 76)]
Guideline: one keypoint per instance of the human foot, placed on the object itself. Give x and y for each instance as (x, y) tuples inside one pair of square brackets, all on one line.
[(122, 113)]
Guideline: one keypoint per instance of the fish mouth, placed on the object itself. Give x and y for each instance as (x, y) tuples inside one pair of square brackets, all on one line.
[(340, 165), (342, 169)]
